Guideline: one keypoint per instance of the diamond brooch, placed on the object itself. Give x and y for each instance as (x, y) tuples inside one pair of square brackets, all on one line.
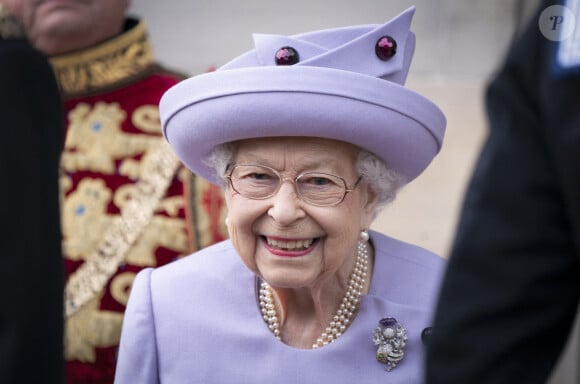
[(390, 337)]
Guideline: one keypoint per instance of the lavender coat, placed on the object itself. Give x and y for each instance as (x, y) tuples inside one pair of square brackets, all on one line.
[(197, 321)]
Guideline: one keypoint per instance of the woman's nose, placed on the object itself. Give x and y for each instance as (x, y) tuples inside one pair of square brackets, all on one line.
[(287, 206)]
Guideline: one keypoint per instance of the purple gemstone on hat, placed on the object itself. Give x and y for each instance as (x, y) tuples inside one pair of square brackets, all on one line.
[(386, 48), (287, 56)]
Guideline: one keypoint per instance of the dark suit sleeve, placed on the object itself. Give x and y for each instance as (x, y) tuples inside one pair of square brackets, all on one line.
[(31, 275), (511, 290)]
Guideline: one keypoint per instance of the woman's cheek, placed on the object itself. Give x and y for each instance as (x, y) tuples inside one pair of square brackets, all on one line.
[(244, 242)]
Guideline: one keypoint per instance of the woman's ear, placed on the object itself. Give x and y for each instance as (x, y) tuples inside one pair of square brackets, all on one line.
[(369, 204)]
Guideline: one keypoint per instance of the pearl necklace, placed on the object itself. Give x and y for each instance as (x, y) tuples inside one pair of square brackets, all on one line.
[(345, 312)]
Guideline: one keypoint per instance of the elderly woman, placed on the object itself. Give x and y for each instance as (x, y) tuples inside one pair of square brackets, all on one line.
[(308, 136)]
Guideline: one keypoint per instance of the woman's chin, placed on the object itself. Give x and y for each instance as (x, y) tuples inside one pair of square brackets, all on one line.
[(287, 279)]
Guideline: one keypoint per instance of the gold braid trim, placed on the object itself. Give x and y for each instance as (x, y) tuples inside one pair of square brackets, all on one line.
[(93, 275), (106, 65)]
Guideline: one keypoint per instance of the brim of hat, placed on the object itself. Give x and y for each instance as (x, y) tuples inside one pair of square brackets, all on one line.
[(398, 125)]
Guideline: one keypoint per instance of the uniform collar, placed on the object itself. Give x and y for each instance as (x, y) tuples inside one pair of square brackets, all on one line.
[(107, 65)]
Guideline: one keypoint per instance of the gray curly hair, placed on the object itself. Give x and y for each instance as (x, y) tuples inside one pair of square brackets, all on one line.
[(384, 181)]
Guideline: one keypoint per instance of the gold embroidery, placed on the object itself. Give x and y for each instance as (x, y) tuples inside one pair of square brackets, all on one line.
[(92, 276), (160, 232), (95, 139), (171, 205), (121, 286), (146, 118), (91, 328), (85, 218), (106, 65)]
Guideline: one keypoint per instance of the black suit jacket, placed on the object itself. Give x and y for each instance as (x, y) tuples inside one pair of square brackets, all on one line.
[(31, 275), (512, 286)]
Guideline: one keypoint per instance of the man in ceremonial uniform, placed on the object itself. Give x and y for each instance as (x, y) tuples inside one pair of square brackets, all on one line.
[(127, 201)]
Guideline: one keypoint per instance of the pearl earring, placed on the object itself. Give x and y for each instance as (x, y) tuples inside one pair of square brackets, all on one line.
[(227, 221), (364, 236)]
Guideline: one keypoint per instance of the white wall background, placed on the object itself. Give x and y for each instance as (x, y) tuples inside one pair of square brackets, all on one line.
[(459, 45)]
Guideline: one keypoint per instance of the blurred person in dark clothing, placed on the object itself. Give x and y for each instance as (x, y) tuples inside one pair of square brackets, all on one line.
[(31, 268), (512, 287)]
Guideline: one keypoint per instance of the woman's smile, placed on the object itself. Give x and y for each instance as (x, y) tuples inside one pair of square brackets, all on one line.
[(289, 247)]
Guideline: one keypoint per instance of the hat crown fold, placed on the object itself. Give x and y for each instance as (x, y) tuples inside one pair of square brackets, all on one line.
[(351, 49)]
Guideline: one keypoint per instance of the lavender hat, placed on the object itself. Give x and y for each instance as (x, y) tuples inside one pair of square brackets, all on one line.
[(344, 84)]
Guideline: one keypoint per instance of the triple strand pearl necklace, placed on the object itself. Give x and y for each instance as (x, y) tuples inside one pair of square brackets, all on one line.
[(345, 312)]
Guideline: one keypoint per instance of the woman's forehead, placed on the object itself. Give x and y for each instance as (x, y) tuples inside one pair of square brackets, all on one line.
[(304, 151), (297, 145)]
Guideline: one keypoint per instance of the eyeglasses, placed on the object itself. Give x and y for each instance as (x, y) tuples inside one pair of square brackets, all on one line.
[(260, 182)]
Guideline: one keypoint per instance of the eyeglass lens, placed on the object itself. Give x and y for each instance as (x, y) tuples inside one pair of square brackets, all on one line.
[(261, 182)]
